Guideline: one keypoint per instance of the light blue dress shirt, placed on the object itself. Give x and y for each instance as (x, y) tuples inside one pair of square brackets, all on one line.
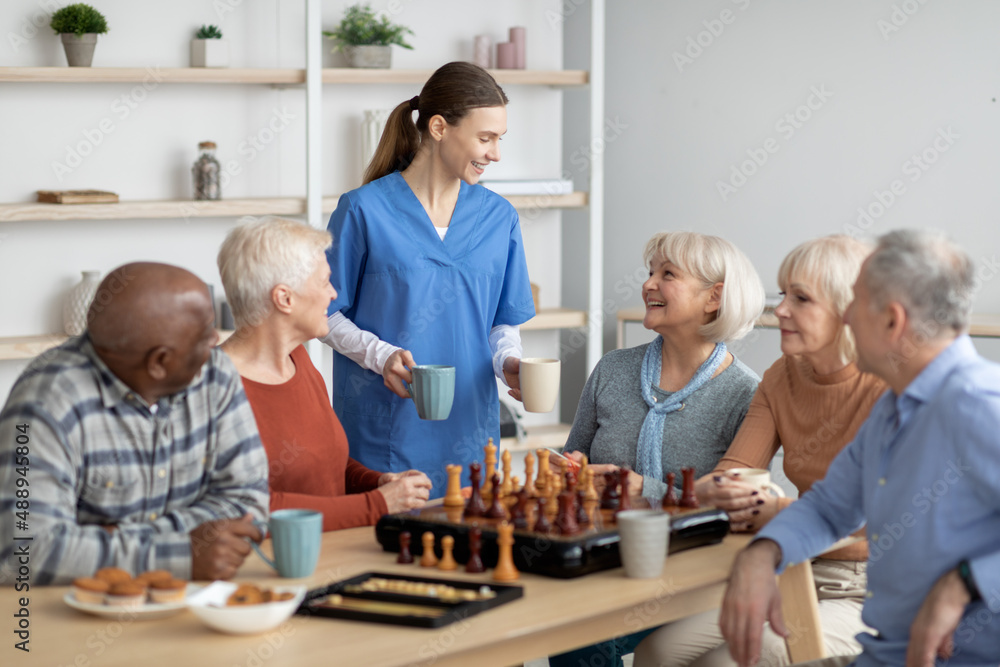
[(924, 472)]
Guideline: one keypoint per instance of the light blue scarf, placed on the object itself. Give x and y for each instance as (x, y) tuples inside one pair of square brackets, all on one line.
[(649, 456)]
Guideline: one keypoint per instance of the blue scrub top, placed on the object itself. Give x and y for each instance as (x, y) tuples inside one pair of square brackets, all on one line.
[(396, 278)]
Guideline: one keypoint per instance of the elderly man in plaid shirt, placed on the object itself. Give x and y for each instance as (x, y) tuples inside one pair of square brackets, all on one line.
[(132, 445)]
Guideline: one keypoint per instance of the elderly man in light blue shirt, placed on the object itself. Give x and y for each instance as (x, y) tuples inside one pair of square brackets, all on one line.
[(923, 474)]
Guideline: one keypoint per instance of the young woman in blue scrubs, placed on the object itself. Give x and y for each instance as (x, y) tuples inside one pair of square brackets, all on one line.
[(429, 268)]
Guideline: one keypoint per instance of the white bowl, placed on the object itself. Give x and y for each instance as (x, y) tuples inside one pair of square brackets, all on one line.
[(209, 604)]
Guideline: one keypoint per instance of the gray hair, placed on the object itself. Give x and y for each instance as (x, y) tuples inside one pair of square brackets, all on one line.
[(261, 254), (928, 274), (712, 259)]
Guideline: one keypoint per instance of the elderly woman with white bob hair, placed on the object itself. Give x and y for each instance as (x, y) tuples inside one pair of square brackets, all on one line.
[(811, 402), (679, 400), (277, 281)]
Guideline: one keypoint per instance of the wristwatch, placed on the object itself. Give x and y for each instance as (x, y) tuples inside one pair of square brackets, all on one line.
[(965, 574)]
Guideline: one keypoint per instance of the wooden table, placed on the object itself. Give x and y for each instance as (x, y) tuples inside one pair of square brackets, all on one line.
[(553, 616)]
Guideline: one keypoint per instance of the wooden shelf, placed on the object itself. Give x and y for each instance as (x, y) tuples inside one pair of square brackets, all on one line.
[(419, 76), (126, 210), (150, 74), (555, 318), (269, 76), (549, 435), (27, 347)]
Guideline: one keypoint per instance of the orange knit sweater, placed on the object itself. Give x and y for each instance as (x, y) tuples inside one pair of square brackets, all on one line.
[(308, 465), (813, 417)]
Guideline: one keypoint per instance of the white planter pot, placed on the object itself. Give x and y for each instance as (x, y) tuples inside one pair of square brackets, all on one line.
[(77, 303), (79, 50), (369, 56), (209, 53)]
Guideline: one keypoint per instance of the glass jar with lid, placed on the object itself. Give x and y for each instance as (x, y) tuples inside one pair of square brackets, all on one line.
[(206, 173)]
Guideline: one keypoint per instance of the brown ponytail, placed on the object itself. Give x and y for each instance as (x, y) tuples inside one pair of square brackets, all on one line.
[(451, 92)]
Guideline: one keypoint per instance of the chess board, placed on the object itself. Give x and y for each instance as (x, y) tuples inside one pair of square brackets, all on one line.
[(551, 555)]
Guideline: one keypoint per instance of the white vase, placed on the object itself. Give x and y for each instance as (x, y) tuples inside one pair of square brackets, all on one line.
[(371, 132), (209, 53), (78, 302)]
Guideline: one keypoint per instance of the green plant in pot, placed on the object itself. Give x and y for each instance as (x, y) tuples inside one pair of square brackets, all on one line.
[(367, 38), (79, 25), (208, 49)]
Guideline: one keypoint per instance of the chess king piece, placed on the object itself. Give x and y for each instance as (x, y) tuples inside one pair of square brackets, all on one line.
[(496, 510), (453, 495), (543, 468), (529, 471), (447, 561), (428, 559), (670, 500), (505, 570), (405, 556), (475, 507), (688, 497), (475, 563)]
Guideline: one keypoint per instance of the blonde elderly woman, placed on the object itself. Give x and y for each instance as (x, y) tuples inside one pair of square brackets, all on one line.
[(679, 400), (811, 402), (277, 281)]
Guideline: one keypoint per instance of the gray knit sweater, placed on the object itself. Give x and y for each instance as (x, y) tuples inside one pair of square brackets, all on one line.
[(611, 411)]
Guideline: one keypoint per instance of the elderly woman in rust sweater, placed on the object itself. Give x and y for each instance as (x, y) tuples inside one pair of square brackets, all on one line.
[(811, 402), (277, 281)]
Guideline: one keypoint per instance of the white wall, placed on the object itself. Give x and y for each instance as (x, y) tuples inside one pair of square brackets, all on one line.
[(887, 97), (148, 154)]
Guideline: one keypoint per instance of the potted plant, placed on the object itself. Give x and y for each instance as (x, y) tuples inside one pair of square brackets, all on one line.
[(366, 39), (79, 25), (208, 49)]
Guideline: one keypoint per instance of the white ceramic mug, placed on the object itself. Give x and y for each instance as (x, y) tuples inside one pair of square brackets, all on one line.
[(644, 537), (756, 477), (539, 380)]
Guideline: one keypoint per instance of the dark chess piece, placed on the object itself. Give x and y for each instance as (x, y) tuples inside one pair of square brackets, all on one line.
[(571, 481), (496, 510), (582, 518), (520, 514), (542, 524), (405, 556), (688, 496), (475, 506), (670, 500), (566, 519), (610, 499), (475, 563)]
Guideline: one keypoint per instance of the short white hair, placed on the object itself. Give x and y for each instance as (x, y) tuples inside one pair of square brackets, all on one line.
[(830, 265), (712, 260), (261, 254)]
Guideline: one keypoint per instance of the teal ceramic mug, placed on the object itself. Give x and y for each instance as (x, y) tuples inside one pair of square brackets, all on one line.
[(295, 539), (432, 390)]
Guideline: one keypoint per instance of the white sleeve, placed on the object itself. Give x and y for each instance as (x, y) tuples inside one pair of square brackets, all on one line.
[(362, 347), (505, 341)]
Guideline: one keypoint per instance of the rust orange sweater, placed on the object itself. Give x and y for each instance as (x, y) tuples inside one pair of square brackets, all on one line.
[(308, 465), (812, 416)]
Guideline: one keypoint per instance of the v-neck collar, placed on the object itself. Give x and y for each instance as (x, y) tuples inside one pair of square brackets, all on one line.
[(423, 232)]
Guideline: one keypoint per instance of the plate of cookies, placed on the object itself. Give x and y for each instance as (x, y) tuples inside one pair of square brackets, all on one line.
[(242, 609), (114, 592)]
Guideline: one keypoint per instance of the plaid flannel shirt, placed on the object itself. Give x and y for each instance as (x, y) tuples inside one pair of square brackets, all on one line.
[(96, 454)]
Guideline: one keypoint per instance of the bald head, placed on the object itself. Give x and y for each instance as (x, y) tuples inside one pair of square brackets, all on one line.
[(143, 305)]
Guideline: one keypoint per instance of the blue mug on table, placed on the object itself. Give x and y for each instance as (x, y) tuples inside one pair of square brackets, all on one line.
[(295, 539), (432, 390)]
